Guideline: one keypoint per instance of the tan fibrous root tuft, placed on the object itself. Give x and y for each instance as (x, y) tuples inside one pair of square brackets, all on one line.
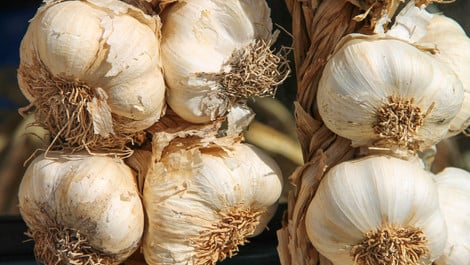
[(63, 246), (221, 241), (254, 70), (63, 106), (391, 245), (398, 121)]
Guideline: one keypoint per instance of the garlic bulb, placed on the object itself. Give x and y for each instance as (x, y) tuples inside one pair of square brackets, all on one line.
[(384, 92), (81, 209), (216, 52), (377, 210), (453, 185), (202, 203), (87, 77)]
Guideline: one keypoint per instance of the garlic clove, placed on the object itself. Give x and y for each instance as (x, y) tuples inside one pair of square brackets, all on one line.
[(377, 209), (385, 93), (58, 43), (81, 204), (454, 199)]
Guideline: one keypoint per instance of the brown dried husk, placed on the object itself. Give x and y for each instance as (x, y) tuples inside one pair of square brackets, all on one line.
[(317, 26), (171, 129)]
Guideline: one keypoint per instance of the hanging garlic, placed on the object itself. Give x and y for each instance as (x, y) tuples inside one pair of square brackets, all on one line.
[(92, 71), (453, 185), (203, 202), (383, 92), (447, 42), (216, 52), (81, 209), (377, 210)]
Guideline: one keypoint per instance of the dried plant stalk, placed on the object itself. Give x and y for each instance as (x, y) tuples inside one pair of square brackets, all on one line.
[(317, 26)]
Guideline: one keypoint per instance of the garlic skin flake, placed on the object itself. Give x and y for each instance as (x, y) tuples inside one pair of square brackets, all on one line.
[(82, 204), (377, 210), (453, 185), (384, 92), (83, 70), (202, 203), (216, 52)]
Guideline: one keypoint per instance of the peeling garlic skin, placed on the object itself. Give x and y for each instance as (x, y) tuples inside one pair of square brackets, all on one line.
[(92, 42)]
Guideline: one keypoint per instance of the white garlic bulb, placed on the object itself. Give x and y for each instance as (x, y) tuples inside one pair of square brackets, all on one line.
[(453, 185), (92, 69), (384, 92), (81, 209), (377, 210), (202, 203), (216, 52)]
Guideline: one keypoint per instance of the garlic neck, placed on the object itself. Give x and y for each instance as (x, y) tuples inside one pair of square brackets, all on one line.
[(391, 245)]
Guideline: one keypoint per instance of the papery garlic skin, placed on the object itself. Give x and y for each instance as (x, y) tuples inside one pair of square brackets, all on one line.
[(108, 46), (453, 185), (95, 196), (368, 76), (202, 203), (199, 38), (376, 192)]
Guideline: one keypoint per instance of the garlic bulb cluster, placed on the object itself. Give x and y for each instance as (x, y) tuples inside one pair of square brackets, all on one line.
[(453, 185), (384, 92), (447, 42), (202, 202), (92, 71), (81, 209), (215, 53), (377, 210)]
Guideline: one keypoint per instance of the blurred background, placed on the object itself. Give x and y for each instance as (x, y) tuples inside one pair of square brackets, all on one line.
[(273, 130)]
